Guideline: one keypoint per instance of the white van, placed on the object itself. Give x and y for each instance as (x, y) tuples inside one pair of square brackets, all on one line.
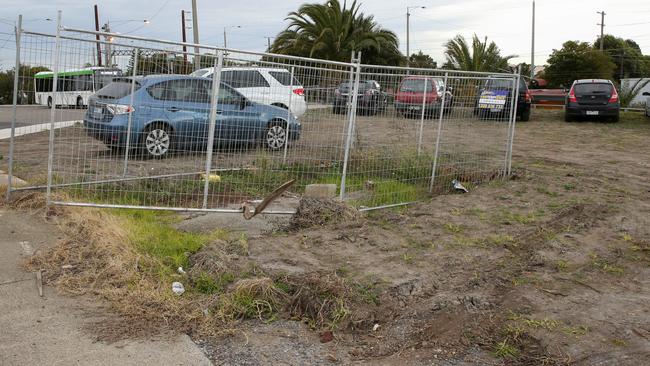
[(263, 85)]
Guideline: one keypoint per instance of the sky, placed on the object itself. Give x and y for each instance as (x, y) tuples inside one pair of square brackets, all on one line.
[(507, 22)]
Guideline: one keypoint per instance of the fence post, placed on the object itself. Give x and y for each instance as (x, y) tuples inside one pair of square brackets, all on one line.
[(288, 135), (351, 121), (55, 79), (15, 107), (514, 124), (424, 104), (511, 122), (435, 156), (129, 123), (216, 81)]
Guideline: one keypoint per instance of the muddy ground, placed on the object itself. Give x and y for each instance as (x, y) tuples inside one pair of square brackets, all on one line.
[(551, 267)]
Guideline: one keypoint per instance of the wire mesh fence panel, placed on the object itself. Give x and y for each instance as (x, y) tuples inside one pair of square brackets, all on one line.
[(158, 126)]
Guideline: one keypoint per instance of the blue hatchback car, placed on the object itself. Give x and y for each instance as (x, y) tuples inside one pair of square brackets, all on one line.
[(172, 113)]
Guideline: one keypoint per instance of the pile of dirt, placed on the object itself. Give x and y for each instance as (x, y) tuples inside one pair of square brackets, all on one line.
[(317, 212)]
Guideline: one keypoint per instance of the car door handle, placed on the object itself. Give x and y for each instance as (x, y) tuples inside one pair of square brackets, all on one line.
[(173, 109), (219, 111)]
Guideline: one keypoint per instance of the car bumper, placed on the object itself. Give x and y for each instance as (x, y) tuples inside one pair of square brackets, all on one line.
[(107, 133), (415, 107), (610, 110)]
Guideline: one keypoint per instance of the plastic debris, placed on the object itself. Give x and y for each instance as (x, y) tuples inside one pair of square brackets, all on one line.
[(375, 327), (178, 288), (212, 178), (458, 186), (180, 270)]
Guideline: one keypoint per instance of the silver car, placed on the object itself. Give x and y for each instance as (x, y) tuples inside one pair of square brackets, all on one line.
[(647, 103)]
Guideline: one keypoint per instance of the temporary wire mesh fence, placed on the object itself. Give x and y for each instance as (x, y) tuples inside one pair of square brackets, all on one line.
[(208, 129)]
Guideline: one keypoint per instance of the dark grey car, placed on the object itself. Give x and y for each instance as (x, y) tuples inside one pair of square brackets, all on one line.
[(371, 99), (592, 98)]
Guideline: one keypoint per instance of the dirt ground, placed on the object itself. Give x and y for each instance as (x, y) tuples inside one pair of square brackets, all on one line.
[(551, 267)]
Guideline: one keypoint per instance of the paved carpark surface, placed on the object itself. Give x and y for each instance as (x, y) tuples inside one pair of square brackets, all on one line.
[(27, 115)]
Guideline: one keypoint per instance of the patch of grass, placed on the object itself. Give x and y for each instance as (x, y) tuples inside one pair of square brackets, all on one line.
[(619, 342), (498, 240), (561, 265), (548, 324), (206, 284), (508, 217), (576, 331), (627, 237), (453, 228), (252, 298), (152, 233), (546, 191), (408, 258), (367, 292), (605, 266), (505, 350), (569, 187)]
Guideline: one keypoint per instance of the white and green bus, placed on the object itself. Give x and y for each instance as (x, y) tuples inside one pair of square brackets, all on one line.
[(74, 87)]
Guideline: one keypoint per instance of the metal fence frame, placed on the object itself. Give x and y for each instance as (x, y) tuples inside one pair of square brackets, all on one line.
[(355, 69)]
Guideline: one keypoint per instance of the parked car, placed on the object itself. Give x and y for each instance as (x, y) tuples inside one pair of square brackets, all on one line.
[(370, 99), (495, 99), (172, 112), (272, 86), (596, 98), (416, 92), (647, 103)]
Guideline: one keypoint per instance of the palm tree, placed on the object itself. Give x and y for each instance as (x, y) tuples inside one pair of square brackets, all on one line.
[(481, 57), (331, 31)]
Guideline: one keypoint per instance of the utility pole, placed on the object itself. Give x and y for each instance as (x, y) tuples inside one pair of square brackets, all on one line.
[(408, 31), (532, 49), (184, 35), (602, 29), (97, 38), (620, 78), (109, 57), (195, 31), (408, 37), (268, 44), (225, 41)]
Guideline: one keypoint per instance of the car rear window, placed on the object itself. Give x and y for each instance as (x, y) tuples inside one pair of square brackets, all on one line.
[(201, 72), (593, 88), (284, 78), (117, 89), (499, 84), (415, 85), (346, 86)]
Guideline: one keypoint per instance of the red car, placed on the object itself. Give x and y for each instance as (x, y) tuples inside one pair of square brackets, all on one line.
[(418, 92)]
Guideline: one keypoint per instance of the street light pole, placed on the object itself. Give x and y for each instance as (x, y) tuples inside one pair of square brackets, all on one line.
[(408, 32), (532, 49), (225, 40)]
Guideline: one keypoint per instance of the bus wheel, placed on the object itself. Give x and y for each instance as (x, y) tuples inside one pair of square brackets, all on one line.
[(49, 102), (80, 103)]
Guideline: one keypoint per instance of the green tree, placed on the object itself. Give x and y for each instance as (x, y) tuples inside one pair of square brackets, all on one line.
[(333, 30), (422, 60), (577, 60), (481, 56), (626, 55), (25, 84)]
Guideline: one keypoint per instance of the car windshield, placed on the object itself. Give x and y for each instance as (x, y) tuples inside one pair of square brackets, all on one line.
[(593, 88), (498, 84), (284, 78), (415, 85), (119, 88)]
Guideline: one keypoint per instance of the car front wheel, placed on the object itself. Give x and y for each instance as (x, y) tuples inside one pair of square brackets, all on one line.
[(157, 141), (276, 136)]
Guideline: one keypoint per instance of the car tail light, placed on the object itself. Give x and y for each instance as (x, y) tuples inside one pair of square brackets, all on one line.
[(614, 97), (299, 91), (336, 92), (528, 98), (120, 109), (572, 96)]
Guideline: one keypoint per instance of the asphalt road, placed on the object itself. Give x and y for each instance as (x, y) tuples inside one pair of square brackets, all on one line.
[(33, 115)]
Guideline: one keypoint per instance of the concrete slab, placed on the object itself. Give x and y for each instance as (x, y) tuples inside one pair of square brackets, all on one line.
[(48, 330)]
